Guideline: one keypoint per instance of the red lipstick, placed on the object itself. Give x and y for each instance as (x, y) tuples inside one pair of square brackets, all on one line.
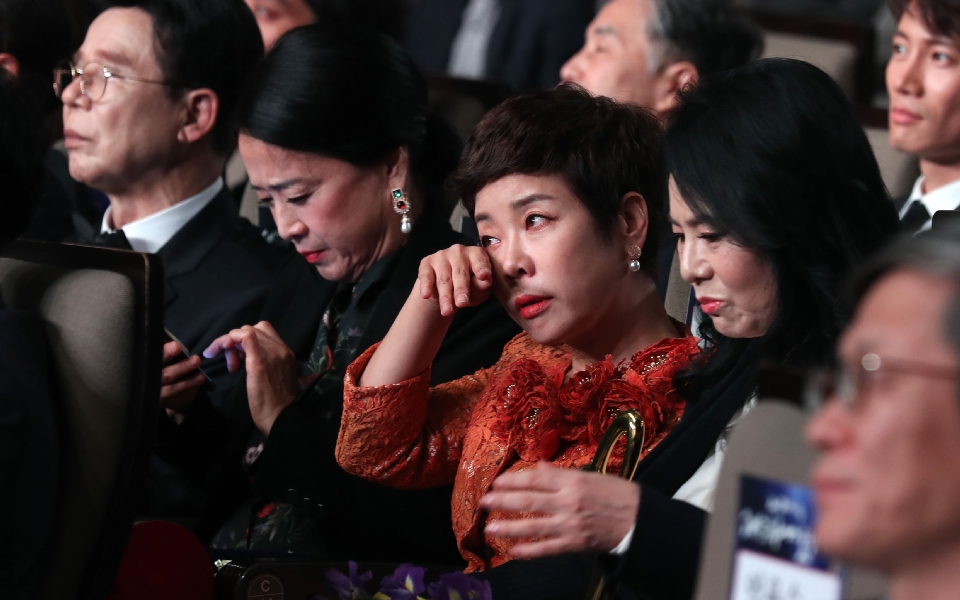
[(313, 256), (710, 305), (531, 306)]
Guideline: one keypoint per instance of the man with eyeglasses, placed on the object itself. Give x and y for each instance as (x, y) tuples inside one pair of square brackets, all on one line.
[(148, 101), (888, 478)]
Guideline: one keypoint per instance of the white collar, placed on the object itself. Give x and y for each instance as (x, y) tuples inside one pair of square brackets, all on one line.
[(152, 232), (946, 197)]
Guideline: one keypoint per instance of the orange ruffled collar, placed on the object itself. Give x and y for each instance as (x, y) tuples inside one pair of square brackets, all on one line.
[(537, 410)]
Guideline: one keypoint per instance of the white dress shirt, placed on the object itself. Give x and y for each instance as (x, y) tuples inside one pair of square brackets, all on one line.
[(152, 232), (700, 490), (943, 198), (468, 55)]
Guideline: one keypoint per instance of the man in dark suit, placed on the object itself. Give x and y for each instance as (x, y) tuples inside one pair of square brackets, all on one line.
[(923, 80), (889, 470), (147, 107), (521, 43)]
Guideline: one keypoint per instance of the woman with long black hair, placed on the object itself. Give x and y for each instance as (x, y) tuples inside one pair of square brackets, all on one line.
[(338, 143)]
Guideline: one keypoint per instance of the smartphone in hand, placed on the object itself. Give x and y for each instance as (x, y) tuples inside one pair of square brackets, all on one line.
[(184, 355)]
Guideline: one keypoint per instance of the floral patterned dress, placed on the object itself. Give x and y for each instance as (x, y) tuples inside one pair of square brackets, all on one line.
[(506, 418)]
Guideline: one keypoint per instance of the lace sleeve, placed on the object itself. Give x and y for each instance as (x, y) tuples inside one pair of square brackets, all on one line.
[(405, 435)]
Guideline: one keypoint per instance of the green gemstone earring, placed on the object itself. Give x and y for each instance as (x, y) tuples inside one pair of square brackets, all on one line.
[(401, 204)]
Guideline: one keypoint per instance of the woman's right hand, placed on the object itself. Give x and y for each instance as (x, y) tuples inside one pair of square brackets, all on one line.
[(458, 277)]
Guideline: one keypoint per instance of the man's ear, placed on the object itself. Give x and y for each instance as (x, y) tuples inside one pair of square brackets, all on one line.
[(201, 109), (10, 64), (673, 78), (636, 219), (398, 167)]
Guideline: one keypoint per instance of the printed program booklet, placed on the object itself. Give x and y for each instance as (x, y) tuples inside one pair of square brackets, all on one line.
[(776, 556)]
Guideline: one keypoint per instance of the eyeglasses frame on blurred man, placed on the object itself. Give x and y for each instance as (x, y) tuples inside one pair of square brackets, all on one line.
[(849, 384), (68, 68)]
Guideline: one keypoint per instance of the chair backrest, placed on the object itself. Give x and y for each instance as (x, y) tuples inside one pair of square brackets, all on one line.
[(766, 443), (677, 300), (104, 314), (463, 102), (844, 50), (836, 58), (946, 218)]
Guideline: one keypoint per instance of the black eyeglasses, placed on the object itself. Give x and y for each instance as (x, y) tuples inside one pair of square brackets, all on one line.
[(850, 383), (93, 79)]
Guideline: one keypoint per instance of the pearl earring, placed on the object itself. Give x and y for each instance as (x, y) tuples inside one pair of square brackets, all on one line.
[(635, 252), (401, 204)]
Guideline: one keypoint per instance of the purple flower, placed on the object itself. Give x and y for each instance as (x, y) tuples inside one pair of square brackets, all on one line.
[(459, 586), (406, 583), (349, 587)]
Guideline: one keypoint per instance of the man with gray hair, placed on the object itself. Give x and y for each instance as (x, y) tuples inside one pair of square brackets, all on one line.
[(645, 51), (888, 478)]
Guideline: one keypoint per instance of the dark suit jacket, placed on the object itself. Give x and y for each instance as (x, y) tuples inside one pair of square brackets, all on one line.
[(218, 272), (29, 455), (530, 42), (299, 455), (899, 202), (664, 555), (67, 210)]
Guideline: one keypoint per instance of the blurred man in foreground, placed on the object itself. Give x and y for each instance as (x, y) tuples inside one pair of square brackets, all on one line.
[(888, 478)]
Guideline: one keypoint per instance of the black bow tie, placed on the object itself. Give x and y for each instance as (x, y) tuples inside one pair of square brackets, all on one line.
[(114, 239), (915, 217)]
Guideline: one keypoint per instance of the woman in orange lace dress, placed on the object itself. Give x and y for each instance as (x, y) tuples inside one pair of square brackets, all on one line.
[(567, 192)]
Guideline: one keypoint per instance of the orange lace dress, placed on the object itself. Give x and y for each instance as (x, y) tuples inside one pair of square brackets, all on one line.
[(505, 418)]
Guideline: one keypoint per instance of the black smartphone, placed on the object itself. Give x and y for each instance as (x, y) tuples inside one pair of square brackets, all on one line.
[(184, 355)]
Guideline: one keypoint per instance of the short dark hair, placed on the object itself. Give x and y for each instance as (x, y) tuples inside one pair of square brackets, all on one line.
[(351, 93), (771, 155), (21, 159), (939, 16), (602, 149), (39, 34), (935, 252), (712, 34), (211, 44)]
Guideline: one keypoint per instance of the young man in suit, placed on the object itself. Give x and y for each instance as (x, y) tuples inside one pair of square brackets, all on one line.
[(888, 477), (521, 43), (923, 80), (148, 102)]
